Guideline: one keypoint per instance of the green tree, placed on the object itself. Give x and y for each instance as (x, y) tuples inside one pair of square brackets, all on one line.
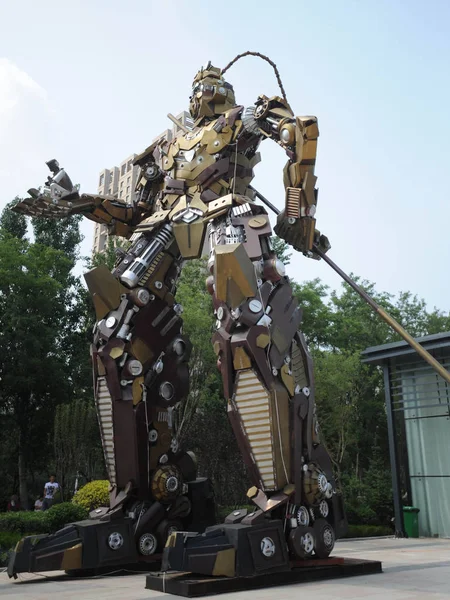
[(32, 368), (316, 312), (13, 223), (39, 335), (281, 249), (77, 445)]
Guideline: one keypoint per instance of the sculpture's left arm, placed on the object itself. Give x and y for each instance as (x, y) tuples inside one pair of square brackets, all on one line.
[(298, 137)]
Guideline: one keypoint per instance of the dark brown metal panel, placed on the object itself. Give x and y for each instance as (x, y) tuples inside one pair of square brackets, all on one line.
[(142, 447), (299, 408), (125, 443)]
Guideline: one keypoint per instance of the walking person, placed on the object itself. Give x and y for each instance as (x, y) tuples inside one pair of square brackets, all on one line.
[(50, 489)]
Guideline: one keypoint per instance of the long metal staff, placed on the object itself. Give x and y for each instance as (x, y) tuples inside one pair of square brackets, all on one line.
[(375, 307)]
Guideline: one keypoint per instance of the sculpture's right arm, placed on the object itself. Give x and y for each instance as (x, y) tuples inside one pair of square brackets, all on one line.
[(59, 198)]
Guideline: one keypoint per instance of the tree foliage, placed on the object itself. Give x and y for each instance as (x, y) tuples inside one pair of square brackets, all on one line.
[(41, 324)]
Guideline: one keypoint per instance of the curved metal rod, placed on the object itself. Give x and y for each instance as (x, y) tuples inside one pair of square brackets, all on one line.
[(387, 318), (442, 371)]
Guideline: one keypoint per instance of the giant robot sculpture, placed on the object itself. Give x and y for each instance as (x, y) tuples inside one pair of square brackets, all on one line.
[(198, 186)]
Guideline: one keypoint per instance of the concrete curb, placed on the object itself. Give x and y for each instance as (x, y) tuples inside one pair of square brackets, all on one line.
[(362, 539)]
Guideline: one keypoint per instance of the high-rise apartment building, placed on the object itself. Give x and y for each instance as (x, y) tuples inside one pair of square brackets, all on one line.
[(120, 181)]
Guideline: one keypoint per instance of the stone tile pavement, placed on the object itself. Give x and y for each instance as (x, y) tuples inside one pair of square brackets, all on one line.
[(413, 570)]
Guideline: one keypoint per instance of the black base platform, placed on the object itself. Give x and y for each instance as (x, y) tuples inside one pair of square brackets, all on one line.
[(191, 586)]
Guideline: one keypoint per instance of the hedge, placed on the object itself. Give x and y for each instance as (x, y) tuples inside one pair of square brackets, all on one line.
[(47, 521), (16, 525)]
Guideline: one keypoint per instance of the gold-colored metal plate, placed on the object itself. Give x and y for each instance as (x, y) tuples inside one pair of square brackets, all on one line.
[(72, 558), (190, 238), (220, 205), (102, 215), (257, 222), (262, 340), (289, 489), (157, 217), (136, 390), (241, 359), (140, 350), (101, 282), (197, 203), (101, 308), (251, 492), (179, 206), (116, 352), (224, 565), (234, 274), (287, 379)]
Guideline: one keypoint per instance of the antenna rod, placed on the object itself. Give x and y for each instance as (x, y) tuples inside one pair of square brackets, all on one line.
[(178, 123)]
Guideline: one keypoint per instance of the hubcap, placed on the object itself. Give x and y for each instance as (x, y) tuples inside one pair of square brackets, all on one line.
[(323, 508), (303, 516), (115, 541), (267, 547), (328, 537), (308, 543), (147, 544)]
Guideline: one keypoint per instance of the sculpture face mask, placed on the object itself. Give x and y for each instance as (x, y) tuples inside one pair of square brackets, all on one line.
[(211, 94)]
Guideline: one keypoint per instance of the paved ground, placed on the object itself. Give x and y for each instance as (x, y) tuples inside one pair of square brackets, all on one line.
[(413, 569)]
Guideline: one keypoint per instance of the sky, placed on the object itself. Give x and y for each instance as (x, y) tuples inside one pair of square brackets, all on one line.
[(89, 82)]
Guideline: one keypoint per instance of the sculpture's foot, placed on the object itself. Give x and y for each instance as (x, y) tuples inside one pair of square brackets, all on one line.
[(116, 537), (232, 549), (263, 541), (84, 545)]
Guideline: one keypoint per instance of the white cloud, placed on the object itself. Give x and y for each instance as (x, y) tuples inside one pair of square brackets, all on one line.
[(14, 85), (26, 120)]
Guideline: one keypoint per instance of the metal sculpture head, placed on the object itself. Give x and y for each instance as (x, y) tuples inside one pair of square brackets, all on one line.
[(211, 94)]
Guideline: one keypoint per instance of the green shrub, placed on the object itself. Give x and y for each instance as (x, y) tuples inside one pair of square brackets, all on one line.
[(48, 521), (62, 514), (22, 521), (93, 495)]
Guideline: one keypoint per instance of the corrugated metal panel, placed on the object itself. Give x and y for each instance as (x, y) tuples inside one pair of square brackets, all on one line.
[(105, 417), (252, 402)]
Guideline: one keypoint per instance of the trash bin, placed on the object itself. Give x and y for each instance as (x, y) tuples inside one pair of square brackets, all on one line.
[(411, 520)]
